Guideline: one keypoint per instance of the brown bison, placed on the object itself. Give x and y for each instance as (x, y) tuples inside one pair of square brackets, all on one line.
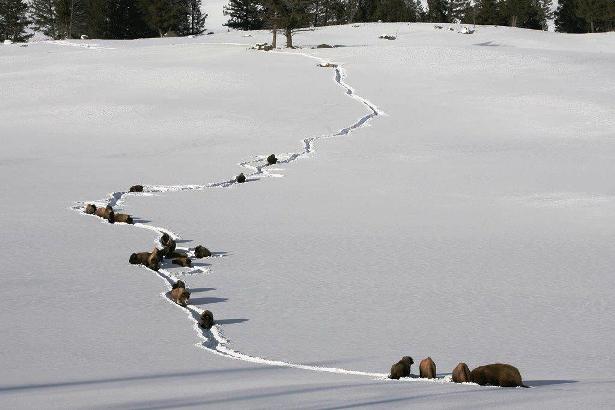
[(271, 159), (241, 178), (201, 252), (461, 373), (179, 284), (136, 188), (207, 320), (106, 213), (149, 259), (183, 261), (168, 245), (401, 368), (180, 296), (124, 218), (498, 374), (427, 369), (90, 209)]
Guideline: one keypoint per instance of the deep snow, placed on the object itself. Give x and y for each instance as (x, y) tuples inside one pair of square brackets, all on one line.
[(470, 222)]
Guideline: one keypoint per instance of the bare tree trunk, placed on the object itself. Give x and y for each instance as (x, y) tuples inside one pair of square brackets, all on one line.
[(289, 37), (274, 40), (591, 25), (513, 21), (70, 21)]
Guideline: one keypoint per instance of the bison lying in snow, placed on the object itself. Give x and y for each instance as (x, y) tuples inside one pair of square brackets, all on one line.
[(498, 374), (180, 296), (207, 320)]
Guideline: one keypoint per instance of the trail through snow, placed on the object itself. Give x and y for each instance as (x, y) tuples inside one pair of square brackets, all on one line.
[(213, 340)]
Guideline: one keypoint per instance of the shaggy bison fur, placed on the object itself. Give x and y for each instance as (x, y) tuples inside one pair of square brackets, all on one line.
[(90, 209), (401, 368), (168, 245), (125, 218), (498, 374), (427, 369), (183, 261), (207, 320), (179, 284), (149, 259), (180, 296), (201, 252), (106, 213), (461, 373)]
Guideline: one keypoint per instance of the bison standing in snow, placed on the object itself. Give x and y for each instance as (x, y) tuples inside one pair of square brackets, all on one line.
[(401, 368), (427, 369), (461, 373), (498, 374)]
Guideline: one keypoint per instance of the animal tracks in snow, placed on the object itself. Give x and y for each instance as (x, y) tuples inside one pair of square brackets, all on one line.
[(213, 340)]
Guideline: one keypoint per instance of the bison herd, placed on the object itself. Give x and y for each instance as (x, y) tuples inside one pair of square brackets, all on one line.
[(498, 374), (152, 260)]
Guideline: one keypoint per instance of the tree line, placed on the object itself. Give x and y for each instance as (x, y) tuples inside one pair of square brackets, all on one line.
[(573, 16), (107, 19), (129, 19)]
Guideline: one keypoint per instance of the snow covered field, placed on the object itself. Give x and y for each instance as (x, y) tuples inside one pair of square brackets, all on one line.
[(471, 220)]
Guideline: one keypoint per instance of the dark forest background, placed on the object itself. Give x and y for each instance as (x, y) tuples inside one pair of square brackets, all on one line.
[(129, 19)]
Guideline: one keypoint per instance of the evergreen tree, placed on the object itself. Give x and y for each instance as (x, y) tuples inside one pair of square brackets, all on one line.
[(487, 12), (244, 15), (196, 19), (126, 20), (527, 13), (70, 17), (366, 10), (97, 19), (14, 20), (437, 11), (460, 11), (165, 16), (287, 15), (325, 12), (566, 19), (594, 12), (43, 14)]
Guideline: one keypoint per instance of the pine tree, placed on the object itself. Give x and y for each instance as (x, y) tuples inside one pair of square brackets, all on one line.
[(196, 19), (566, 19), (70, 17), (43, 13), (14, 20), (126, 20), (594, 12), (165, 16), (2, 23), (97, 19), (460, 11), (437, 11), (244, 15), (526, 13), (487, 12), (287, 15)]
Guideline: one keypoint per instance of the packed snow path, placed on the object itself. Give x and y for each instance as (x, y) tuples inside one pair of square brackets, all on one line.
[(213, 340)]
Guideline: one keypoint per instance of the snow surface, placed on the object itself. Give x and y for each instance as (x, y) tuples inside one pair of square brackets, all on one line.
[(467, 216)]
